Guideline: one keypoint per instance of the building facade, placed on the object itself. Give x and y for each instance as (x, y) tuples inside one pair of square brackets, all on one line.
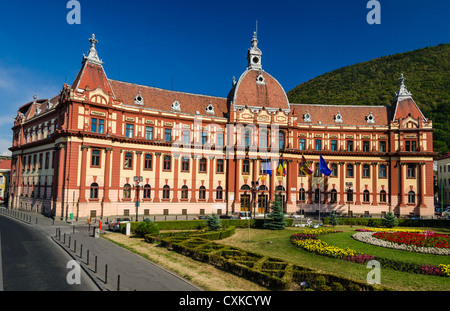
[(443, 181), (105, 147), (5, 171)]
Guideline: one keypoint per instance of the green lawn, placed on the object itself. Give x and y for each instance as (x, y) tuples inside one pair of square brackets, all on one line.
[(276, 244)]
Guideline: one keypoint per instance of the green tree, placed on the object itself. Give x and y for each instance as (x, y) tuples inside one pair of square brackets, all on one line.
[(389, 221), (334, 221), (275, 220), (214, 223)]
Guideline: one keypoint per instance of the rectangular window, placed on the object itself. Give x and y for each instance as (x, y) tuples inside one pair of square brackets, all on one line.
[(168, 135), (366, 146), (366, 171), (94, 125), (128, 163), (245, 167), (382, 171), (186, 137), (40, 160), (219, 166), (302, 144), (349, 170), (333, 145), (129, 130), (318, 145), (204, 138), (47, 160), (167, 163), (411, 171), (95, 161), (97, 125), (185, 164), (334, 170), (149, 133), (148, 161), (383, 146), (219, 140), (202, 166), (349, 145)]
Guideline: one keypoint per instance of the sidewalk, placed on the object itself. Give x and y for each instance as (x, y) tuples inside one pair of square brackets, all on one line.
[(116, 269)]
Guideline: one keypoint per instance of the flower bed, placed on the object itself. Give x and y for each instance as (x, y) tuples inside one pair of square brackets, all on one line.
[(418, 239), (367, 237), (308, 240)]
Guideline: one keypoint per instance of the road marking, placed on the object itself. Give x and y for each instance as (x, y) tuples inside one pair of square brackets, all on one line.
[(1, 272)]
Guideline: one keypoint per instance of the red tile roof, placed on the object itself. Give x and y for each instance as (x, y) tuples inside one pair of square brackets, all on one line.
[(92, 76), (160, 99), (270, 94), (5, 164), (405, 107), (351, 115)]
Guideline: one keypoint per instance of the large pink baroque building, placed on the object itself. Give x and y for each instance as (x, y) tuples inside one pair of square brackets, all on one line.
[(104, 147)]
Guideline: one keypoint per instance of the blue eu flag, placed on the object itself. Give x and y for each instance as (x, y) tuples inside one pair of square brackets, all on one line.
[(324, 168)]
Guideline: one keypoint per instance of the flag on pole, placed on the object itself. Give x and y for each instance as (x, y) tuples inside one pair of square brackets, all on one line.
[(267, 168), (282, 168), (324, 168), (304, 166)]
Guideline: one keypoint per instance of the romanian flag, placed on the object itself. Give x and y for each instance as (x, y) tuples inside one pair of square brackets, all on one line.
[(304, 166), (282, 168)]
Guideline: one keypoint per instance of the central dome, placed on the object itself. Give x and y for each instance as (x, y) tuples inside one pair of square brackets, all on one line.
[(257, 88)]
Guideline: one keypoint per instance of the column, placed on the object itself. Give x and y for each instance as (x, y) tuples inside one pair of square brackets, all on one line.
[(289, 181), (107, 175), (176, 161), (341, 180), (211, 180), (157, 174), (374, 183), (138, 173), (358, 183), (421, 172), (401, 184), (194, 179)]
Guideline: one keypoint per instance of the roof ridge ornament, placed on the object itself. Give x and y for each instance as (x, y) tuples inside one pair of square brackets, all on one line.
[(92, 55), (403, 91), (254, 54)]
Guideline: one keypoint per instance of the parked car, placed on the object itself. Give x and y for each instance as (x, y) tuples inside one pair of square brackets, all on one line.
[(242, 215), (114, 225), (225, 217)]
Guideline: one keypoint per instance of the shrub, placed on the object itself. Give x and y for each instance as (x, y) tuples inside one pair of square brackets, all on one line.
[(213, 223), (389, 221), (334, 221), (337, 287), (276, 220), (146, 227)]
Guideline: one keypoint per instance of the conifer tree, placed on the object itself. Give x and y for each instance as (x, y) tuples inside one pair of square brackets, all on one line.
[(276, 220), (334, 221), (389, 220), (214, 223)]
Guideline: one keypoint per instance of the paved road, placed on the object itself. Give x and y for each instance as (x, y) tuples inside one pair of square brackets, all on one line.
[(30, 261), (117, 268)]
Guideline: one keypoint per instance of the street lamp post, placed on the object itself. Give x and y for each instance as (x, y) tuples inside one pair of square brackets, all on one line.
[(137, 179)]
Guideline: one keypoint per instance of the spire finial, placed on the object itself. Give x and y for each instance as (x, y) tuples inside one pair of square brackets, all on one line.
[(92, 55), (403, 91)]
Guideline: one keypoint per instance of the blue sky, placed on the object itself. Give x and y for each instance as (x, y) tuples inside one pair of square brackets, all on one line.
[(199, 45)]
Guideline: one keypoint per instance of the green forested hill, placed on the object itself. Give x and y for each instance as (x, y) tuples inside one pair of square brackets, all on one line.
[(375, 82)]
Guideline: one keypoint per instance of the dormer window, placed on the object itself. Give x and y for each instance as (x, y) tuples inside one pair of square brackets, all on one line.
[(370, 119), (210, 109), (176, 106), (139, 100), (307, 117), (260, 79), (338, 118)]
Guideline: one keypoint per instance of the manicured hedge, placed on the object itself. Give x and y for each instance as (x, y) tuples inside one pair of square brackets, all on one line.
[(208, 235), (201, 224), (266, 271), (377, 222)]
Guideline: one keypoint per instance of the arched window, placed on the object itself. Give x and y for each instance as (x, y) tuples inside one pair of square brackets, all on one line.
[(94, 191), (147, 192), (366, 196), (301, 194), (411, 197), (127, 191), (184, 192), (382, 196), (219, 193), (333, 194), (281, 140), (245, 187), (202, 193), (317, 195), (166, 192), (349, 195)]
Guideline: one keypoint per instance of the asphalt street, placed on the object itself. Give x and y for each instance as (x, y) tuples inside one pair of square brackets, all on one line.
[(31, 261)]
